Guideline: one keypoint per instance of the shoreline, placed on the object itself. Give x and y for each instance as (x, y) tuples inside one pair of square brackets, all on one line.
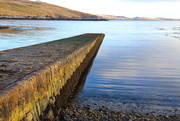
[(55, 19), (86, 113), (79, 19), (86, 18), (127, 106), (4, 17)]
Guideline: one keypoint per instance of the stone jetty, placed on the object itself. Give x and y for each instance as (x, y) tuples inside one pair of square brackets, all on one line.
[(36, 81)]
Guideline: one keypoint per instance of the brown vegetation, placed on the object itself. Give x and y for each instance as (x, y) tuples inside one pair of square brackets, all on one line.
[(28, 8)]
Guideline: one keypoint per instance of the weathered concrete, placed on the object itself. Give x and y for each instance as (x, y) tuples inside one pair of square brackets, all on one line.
[(35, 81)]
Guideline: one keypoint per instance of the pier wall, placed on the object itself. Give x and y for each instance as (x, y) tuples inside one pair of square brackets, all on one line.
[(41, 94)]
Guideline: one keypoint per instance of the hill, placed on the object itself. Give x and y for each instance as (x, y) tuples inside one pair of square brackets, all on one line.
[(25, 9), (111, 17), (39, 10)]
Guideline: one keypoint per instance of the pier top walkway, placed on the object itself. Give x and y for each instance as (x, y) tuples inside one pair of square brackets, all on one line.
[(15, 64)]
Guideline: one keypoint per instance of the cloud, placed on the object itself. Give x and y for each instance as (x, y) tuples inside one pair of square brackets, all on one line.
[(148, 1), (129, 8)]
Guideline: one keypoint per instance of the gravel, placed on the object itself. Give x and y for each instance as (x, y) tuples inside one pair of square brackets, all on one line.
[(87, 113)]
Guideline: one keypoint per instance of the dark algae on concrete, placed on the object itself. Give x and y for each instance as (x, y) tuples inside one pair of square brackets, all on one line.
[(36, 81)]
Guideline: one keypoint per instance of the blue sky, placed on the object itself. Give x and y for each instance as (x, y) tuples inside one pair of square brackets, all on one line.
[(129, 8)]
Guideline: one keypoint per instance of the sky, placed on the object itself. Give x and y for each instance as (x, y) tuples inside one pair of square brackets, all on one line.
[(128, 8)]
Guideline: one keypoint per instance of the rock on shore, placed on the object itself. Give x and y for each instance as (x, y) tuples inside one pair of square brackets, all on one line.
[(4, 27), (85, 18), (86, 113)]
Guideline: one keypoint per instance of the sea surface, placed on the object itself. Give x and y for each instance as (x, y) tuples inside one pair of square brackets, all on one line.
[(137, 66)]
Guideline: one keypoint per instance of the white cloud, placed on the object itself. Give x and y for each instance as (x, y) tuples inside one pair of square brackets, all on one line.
[(145, 1)]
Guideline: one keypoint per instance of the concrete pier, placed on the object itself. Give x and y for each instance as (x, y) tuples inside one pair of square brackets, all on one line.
[(35, 81)]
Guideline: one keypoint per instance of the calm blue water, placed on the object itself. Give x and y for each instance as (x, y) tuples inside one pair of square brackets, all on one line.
[(137, 65)]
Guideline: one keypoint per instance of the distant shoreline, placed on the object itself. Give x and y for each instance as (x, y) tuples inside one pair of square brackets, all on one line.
[(77, 19), (2, 17)]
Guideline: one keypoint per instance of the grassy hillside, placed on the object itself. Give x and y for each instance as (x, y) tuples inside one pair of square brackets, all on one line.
[(39, 10), (29, 8)]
